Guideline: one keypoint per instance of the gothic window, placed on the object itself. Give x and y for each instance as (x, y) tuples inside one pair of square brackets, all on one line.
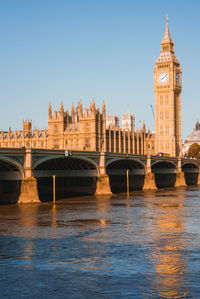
[(42, 144), (161, 115), (167, 146), (77, 143), (55, 129), (34, 144), (166, 99), (167, 114), (161, 99), (66, 143), (87, 127), (72, 143), (87, 142), (56, 145), (161, 130), (167, 130), (166, 48)]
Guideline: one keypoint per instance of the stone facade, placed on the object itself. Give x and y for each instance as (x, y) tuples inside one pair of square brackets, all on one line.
[(167, 88), (27, 137), (88, 130), (78, 130)]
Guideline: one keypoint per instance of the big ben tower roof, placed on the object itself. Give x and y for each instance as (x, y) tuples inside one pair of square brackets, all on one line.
[(167, 38), (167, 48)]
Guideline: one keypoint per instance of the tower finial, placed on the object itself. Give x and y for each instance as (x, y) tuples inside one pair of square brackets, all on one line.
[(167, 37)]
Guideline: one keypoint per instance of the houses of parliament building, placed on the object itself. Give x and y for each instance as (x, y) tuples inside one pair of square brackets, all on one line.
[(92, 130), (88, 130)]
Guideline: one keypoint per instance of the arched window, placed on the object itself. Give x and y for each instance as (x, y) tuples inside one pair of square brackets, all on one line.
[(55, 129)]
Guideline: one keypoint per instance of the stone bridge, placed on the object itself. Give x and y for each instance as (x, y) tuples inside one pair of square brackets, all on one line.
[(26, 174)]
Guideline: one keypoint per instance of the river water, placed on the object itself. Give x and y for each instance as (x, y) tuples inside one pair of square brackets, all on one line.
[(147, 246)]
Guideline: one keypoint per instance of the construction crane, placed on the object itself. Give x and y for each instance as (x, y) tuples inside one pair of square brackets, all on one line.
[(152, 112)]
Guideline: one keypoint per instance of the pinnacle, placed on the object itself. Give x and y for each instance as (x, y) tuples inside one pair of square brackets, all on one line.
[(167, 37)]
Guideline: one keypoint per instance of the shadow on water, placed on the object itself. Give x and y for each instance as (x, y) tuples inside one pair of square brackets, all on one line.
[(66, 187)]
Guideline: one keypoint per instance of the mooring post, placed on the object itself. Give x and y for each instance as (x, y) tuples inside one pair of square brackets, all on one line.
[(127, 177), (54, 189)]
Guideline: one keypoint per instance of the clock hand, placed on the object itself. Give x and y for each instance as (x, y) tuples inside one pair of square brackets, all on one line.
[(163, 76)]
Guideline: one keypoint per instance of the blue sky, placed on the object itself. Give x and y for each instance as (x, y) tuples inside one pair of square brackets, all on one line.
[(61, 50)]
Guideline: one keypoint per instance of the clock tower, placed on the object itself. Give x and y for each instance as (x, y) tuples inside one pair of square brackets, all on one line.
[(167, 89)]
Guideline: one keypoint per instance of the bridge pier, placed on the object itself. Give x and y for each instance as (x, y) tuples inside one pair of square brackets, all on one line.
[(198, 181), (149, 179), (180, 177), (29, 191), (103, 182)]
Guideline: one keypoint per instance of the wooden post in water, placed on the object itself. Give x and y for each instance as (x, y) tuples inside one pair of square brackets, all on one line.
[(54, 189), (127, 176)]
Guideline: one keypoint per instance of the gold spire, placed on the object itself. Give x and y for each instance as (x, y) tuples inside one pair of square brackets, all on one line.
[(167, 38)]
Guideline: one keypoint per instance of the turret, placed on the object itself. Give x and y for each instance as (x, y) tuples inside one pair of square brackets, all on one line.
[(93, 106), (49, 111), (80, 108), (144, 127), (61, 109), (27, 126), (72, 112), (103, 109)]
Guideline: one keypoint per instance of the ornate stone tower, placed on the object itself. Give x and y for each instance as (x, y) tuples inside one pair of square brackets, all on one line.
[(167, 89)]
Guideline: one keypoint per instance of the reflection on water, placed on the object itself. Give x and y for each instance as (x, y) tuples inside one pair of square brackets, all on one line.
[(169, 258), (146, 246)]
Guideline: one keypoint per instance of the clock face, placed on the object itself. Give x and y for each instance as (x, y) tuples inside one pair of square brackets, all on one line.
[(163, 78), (177, 78)]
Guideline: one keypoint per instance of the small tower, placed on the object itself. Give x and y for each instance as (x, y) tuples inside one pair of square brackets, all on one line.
[(128, 122), (112, 121), (61, 109), (49, 111), (27, 126), (72, 113)]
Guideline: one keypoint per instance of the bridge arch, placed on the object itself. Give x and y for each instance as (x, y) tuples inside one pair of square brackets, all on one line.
[(191, 172), (117, 171), (15, 164), (11, 176), (137, 161), (74, 177), (165, 173), (88, 160)]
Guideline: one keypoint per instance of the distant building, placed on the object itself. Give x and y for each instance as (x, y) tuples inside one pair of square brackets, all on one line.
[(112, 121), (128, 122), (194, 137)]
